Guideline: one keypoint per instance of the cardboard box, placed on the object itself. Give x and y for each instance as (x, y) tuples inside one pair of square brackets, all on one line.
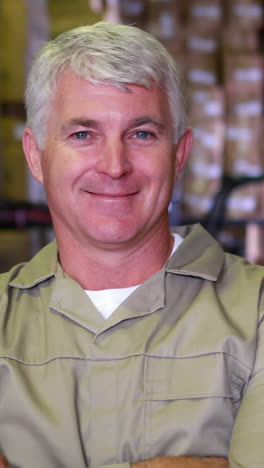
[(244, 203), (202, 71), (133, 12), (163, 19), (243, 75), (245, 14), (235, 40), (242, 146), (202, 42), (204, 14), (204, 167), (245, 109), (206, 103)]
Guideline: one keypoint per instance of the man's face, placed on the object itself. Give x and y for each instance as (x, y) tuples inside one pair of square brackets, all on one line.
[(110, 163)]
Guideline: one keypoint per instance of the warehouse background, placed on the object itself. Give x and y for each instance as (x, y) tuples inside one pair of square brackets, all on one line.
[(219, 44)]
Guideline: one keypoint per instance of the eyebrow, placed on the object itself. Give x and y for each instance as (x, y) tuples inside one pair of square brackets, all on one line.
[(78, 122), (88, 123), (146, 119)]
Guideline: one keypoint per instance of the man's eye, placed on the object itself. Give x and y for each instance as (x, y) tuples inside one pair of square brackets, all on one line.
[(81, 135), (143, 134)]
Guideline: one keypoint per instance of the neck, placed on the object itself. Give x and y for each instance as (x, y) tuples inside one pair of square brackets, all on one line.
[(94, 268)]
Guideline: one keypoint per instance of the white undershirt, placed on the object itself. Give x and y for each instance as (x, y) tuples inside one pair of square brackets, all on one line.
[(107, 300)]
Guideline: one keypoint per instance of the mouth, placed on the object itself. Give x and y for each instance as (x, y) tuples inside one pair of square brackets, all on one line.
[(111, 195), (115, 204)]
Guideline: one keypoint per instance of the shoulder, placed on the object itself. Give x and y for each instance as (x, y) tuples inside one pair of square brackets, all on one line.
[(8, 276), (238, 270), (24, 297), (20, 281), (25, 275), (228, 280), (241, 285)]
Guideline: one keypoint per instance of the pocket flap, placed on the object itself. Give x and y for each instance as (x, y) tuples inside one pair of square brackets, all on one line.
[(213, 375)]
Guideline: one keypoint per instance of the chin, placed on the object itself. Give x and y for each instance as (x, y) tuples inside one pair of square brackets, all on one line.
[(113, 234)]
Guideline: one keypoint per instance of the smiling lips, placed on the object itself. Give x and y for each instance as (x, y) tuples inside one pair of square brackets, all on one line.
[(111, 195)]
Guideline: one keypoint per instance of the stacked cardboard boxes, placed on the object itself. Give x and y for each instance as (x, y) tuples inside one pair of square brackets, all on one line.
[(243, 83), (242, 63), (217, 44), (164, 21), (202, 177)]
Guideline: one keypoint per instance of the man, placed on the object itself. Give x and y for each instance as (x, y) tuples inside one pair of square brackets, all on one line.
[(122, 343)]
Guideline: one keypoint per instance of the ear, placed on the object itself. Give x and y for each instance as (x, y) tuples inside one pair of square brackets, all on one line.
[(33, 154), (182, 151)]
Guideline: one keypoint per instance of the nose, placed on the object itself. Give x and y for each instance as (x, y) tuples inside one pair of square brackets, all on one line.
[(113, 160)]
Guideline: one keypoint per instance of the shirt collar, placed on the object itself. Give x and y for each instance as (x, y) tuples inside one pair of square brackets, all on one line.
[(42, 266), (199, 255)]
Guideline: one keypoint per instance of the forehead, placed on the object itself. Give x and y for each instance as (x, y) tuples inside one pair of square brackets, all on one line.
[(74, 93)]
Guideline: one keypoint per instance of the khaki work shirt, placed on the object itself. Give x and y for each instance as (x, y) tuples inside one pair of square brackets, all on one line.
[(167, 374)]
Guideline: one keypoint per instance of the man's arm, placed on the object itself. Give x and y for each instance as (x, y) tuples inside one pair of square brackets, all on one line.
[(162, 462), (246, 446), (174, 462), (183, 462)]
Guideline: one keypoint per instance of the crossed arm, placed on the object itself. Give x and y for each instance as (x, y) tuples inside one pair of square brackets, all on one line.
[(183, 462), (167, 462)]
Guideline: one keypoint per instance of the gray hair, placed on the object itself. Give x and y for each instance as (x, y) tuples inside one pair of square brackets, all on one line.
[(102, 53)]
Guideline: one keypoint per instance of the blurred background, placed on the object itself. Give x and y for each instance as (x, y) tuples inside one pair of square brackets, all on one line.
[(219, 45)]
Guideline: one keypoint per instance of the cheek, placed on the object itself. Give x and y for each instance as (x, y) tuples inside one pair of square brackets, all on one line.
[(158, 166), (167, 182), (160, 192), (164, 174), (57, 167)]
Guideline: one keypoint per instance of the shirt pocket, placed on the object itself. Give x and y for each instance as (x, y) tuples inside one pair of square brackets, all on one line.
[(191, 403)]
